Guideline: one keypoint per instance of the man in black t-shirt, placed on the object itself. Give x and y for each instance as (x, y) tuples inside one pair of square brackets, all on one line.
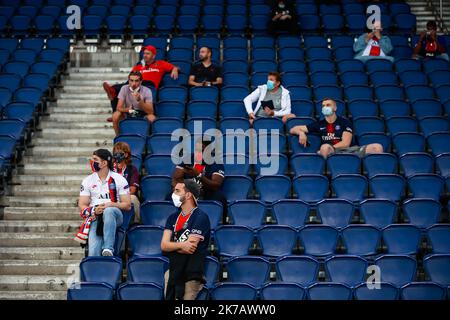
[(335, 132), (205, 73), (185, 241)]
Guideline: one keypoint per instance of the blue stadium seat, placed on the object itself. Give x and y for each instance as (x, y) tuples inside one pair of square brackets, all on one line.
[(47, 68), (160, 144), (17, 67), (422, 291), (156, 187), (363, 108), (287, 269), (236, 23), (309, 23), (358, 93), (361, 240), (211, 9), (402, 124), (258, 23), (291, 212), (233, 123), (10, 81), (306, 7), (139, 24), (163, 23), (238, 164), (322, 92), (394, 108), (378, 212), (24, 55), (324, 78), (236, 78), (386, 292), (145, 240), (349, 270), (282, 291), (383, 78), (439, 236), (277, 240), (388, 186), (430, 125), (20, 24), (147, 269), (202, 108), (384, 93), (318, 54), (438, 142), (170, 109), (233, 291), (378, 65), (422, 213), (433, 65), (233, 93), (354, 78), (249, 213), (269, 164), (343, 164), (155, 213), (295, 79), (287, 41), (116, 24), (443, 164), (321, 65), (318, 240), (159, 165), (402, 238), (329, 291), (300, 92), (351, 65), (356, 22), (166, 125), (408, 142), (352, 187), (12, 127), (404, 65), (212, 268), (101, 269), (134, 126), (237, 187), (250, 269), (300, 106), (426, 186), (140, 291), (405, 23), (273, 188), (8, 144), (90, 291), (214, 210), (413, 78), (333, 23), (233, 241), (135, 141), (311, 187), (397, 269), (436, 267), (414, 163), (336, 213), (308, 164), (415, 93)]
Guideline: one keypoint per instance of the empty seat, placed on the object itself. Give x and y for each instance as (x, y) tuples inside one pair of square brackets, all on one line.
[(161, 144), (329, 291), (273, 188), (237, 187), (135, 141), (140, 291), (250, 213), (426, 186), (291, 212), (415, 93), (287, 269), (282, 291), (378, 212), (383, 78), (318, 240), (408, 142), (233, 240), (90, 291), (384, 93), (277, 240), (361, 240), (436, 267), (388, 186), (349, 270), (155, 213), (307, 164), (416, 162), (343, 164), (363, 108), (439, 238), (401, 238), (352, 187), (233, 291), (430, 125), (383, 163), (250, 269), (311, 188), (147, 269), (134, 126), (397, 269), (156, 187), (394, 108), (386, 292), (422, 291), (162, 125), (438, 142), (443, 164), (145, 240), (337, 213), (402, 124), (100, 269), (422, 212)]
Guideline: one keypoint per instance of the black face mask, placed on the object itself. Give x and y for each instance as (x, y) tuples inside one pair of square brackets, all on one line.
[(119, 157)]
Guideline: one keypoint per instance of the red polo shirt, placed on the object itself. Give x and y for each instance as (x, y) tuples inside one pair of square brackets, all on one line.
[(154, 72)]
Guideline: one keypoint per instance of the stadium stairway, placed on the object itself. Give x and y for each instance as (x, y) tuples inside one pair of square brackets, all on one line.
[(423, 13), (37, 252)]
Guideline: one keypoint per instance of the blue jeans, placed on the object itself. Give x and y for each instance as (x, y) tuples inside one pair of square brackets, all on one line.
[(112, 219)]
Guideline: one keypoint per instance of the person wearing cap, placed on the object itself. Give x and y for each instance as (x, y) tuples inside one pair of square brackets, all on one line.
[(205, 73), (103, 195), (185, 242), (135, 100), (373, 45), (152, 71)]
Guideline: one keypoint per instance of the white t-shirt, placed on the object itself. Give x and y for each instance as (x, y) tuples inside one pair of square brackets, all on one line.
[(98, 190)]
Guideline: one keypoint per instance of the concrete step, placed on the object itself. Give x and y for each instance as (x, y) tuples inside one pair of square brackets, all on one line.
[(120, 76), (49, 151), (71, 89), (40, 201), (49, 179), (84, 142), (46, 190), (38, 267), (51, 226), (99, 70), (35, 283), (33, 295), (73, 118), (49, 253), (42, 213), (55, 160), (76, 103), (99, 134), (83, 96), (40, 240), (97, 83), (97, 125), (82, 110)]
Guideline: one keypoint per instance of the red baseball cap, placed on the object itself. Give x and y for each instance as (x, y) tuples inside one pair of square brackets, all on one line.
[(152, 49)]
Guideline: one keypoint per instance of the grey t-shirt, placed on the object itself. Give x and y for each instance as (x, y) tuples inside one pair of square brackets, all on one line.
[(129, 100), (276, 99)]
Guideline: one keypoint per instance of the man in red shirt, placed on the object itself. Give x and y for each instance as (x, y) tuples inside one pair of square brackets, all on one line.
[(152, 73)]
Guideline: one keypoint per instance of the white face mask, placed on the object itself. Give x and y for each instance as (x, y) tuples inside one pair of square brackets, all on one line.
[(176, 200)]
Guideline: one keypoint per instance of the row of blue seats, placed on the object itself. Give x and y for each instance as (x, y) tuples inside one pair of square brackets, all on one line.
[(339, 213), (315, 187), (271, 291), (350, 270)]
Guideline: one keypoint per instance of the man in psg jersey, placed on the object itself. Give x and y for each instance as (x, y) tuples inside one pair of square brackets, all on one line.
[(185, 241), (335, 132), (152, 71)]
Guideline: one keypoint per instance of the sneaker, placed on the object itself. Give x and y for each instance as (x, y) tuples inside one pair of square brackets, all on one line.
[(109, 91), (107, 253)]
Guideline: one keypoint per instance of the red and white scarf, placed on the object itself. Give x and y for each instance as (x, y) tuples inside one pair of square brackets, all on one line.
[(373, 48)]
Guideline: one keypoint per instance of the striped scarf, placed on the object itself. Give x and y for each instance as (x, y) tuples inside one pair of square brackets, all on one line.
[(88, 214)]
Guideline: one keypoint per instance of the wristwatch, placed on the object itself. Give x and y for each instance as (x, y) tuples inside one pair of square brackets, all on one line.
[(200, 175)]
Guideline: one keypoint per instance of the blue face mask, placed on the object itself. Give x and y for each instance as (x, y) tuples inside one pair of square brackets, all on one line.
[(270, 85), (327, 111), (95, 166)]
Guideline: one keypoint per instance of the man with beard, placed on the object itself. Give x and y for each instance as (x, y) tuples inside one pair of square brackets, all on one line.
[(205, 73)]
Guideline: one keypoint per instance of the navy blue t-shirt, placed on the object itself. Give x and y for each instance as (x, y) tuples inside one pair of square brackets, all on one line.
[(330, 133), (209, 169), (197, 224)]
